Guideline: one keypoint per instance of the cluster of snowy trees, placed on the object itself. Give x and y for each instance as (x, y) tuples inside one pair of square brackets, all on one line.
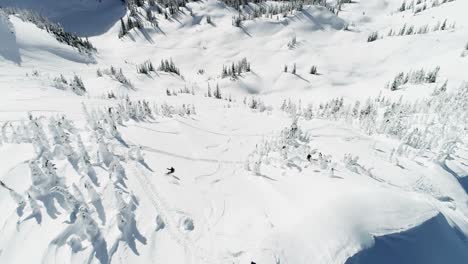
[(287, 147), (143, 12), (76, 84), (141, 110), (417, 6), (465, 50), (414, 77), (131, 23), (71, 39), (236, 69), (432, 126), (146, 67), (56, 141), (168, 66), (292, 43), (256, 104), (250, 12), (116, 74), (290, 148), (90, 152), (216, 93), (252, 9), (313, 69), (373, 36), (185, 90), (165, 66)]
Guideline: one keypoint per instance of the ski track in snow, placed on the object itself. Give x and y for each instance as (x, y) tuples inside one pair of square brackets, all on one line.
[(150, 149), (161, 207)]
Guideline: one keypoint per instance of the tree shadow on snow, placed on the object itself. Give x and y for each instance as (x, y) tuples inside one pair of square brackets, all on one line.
[(98, 243), (36, 215), (130, 234), (49, 204), (100, 210), (144, 164), (462, 179), (265, 177)]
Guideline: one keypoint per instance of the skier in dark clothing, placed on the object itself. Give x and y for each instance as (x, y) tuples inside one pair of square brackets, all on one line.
[(170, 170)]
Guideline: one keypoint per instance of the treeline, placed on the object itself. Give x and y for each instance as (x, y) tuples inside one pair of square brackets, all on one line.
[(289, 5), (280, 8), (76, 84), (417, 6), (142, 12), (407, 30)]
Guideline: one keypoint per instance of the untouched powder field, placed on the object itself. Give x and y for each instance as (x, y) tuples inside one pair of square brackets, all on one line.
[(274, 132)]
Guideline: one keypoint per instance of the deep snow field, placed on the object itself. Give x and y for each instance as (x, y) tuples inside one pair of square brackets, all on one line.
[(351, 164)]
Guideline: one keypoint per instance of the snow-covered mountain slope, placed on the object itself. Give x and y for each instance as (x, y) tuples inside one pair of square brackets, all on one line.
[(275, 161), (9, 47), (85, 17)]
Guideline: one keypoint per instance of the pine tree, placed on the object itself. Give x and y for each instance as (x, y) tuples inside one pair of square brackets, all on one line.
[(233, 71), (313, 70), (444, 25), (294, 69), (209, 90), (374, 35), (217, 92), (123, 28), (77, 85)]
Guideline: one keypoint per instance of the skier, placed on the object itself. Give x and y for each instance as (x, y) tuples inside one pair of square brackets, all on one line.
[(170, 170)]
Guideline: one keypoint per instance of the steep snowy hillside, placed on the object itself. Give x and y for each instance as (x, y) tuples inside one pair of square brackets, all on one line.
[(9, 47), (86, 17), (225, 132)]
